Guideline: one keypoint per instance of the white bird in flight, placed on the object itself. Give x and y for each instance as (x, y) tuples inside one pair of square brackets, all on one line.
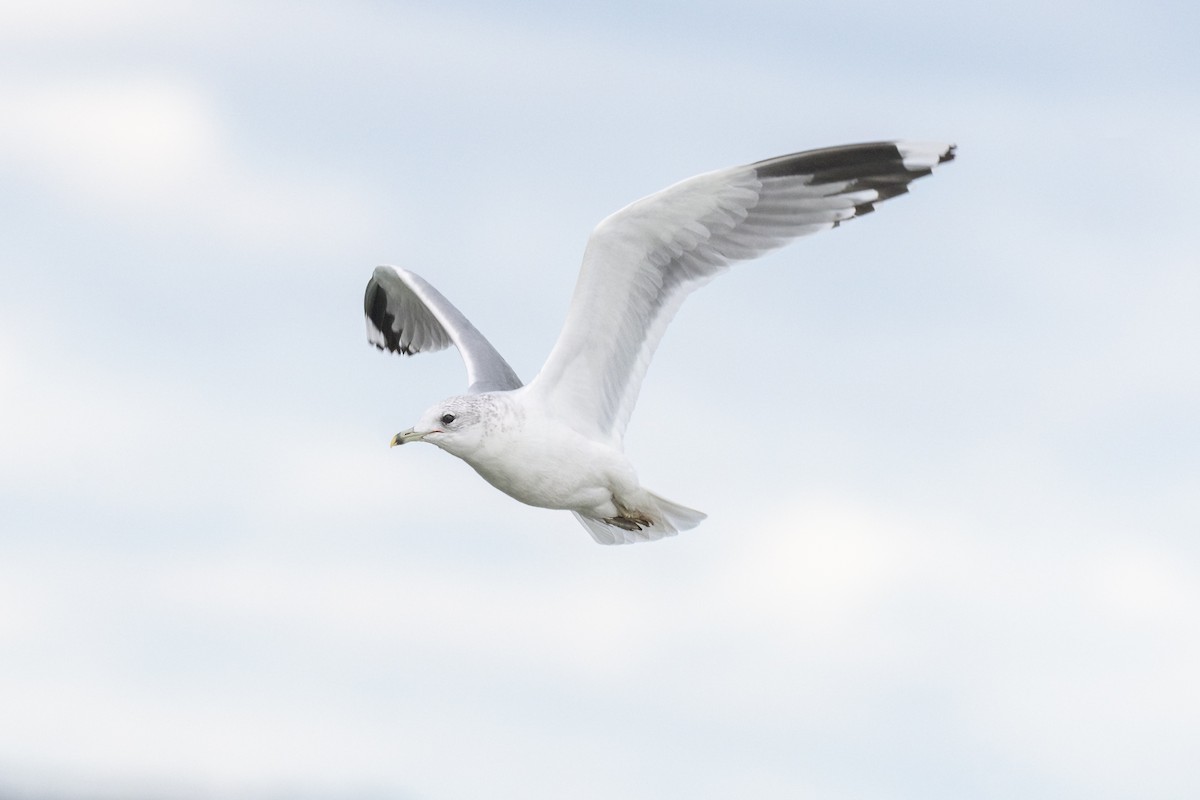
[(557, 442)]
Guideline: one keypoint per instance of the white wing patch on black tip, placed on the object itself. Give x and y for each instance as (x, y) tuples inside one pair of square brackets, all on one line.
[(924, 155)]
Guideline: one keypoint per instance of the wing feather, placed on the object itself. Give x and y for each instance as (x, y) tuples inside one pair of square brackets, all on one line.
[(406, 315), (642, 262)]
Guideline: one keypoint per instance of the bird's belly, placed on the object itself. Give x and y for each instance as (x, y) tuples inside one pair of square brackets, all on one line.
[(547, 489), (565, 472)]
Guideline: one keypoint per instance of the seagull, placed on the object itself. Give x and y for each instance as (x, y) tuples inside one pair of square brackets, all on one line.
[(557, 442)]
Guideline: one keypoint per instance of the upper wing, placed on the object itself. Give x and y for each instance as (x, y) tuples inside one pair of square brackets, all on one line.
[(407, 315), (642, 261)]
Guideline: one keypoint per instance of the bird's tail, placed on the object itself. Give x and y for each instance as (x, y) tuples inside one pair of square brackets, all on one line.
[(665, 518), (679, 518)]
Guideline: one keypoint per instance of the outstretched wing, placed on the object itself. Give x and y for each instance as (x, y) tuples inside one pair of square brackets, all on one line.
[(407, 315), (643, 261)]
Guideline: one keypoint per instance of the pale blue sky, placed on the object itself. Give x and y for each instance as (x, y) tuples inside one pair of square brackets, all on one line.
[(950, 453)]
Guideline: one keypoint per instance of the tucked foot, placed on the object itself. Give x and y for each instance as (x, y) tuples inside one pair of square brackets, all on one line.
[(630, 521)]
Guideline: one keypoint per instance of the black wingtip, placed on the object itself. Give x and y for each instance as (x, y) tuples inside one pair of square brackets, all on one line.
[(831, 163), (371, 298), (376, 309)]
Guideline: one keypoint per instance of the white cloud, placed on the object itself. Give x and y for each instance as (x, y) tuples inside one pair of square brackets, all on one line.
[(1143, 589), (126, 141), (144, 151), (69, 20)]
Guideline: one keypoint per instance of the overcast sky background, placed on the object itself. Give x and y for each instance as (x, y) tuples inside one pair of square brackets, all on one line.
[(950, 453)]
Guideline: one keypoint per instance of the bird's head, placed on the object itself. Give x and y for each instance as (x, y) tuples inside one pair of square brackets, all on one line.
[(456, 424)]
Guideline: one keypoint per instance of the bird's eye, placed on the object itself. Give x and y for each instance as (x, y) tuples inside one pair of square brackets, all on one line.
[(447, 419)]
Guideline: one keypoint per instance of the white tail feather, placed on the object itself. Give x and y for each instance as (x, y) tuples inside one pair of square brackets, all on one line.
[(670, 518)]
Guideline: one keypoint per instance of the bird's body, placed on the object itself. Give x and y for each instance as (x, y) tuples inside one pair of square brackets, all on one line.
[(531, 455), (547, 464), (557, 442)]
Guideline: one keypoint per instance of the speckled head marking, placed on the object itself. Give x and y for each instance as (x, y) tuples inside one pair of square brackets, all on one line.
[(457, 424)]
